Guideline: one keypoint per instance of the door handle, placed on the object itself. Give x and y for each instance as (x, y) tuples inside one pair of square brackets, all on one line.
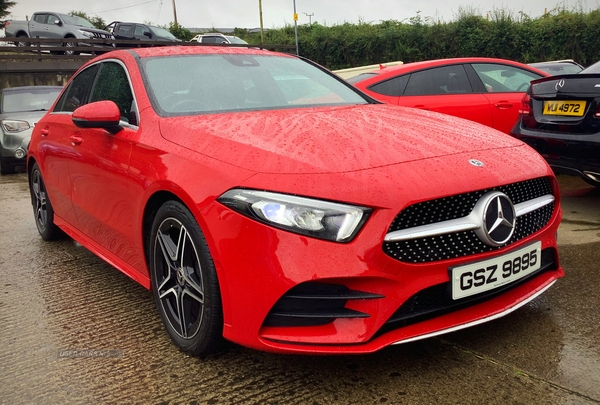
[(75, 140), (421, 107), (503, 104)]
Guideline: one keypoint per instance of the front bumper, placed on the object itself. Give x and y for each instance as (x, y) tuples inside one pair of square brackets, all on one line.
[(13, 148), (567, 153), (258, 265)]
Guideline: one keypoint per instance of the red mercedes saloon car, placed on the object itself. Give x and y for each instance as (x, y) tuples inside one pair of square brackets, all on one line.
[(484, 90), (266, 201)]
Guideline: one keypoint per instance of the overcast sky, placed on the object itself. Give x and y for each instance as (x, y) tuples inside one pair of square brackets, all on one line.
[(277, 13)]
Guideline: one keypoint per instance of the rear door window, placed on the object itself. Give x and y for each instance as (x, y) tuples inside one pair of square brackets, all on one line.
[(442, 80)]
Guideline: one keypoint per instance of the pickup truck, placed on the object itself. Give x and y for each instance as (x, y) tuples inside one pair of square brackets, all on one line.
[(66, 29), (144, 32)]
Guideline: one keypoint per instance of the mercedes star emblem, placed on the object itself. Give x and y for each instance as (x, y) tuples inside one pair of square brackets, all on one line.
[(499, 218)]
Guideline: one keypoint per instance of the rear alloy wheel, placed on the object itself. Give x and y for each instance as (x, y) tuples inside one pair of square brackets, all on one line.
[(184, 280), (22, 44), (42, 208)]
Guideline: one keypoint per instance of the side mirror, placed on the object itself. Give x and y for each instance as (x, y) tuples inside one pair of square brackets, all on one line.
[(57, 22), (100, 114), (148, 34)]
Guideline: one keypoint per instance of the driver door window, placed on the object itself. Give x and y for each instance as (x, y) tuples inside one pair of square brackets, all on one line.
[(113, 84)]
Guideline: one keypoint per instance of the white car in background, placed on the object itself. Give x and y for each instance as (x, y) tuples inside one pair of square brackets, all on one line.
[(218, 38)]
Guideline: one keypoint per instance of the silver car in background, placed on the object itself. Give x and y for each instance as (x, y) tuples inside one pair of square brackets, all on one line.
[(20, 109)]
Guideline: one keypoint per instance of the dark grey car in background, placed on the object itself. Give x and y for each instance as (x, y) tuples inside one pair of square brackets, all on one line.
[(560, 118)]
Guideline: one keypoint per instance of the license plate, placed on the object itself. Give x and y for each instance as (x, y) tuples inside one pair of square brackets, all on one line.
[(488, 274), (570, 108)]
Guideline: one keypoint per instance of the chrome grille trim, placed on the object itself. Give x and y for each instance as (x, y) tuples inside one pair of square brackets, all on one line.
[(444, 218), (470, 222)]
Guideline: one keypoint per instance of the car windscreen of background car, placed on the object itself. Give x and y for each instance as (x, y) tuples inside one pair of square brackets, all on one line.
[(162, 32), (218, 83), (595, 68), (29, 100)]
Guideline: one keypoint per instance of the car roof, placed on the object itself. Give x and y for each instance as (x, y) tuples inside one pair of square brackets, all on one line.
[(409, 67), (195, 50)]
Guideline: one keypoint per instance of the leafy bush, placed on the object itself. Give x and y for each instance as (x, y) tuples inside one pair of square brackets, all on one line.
[(559, 34)]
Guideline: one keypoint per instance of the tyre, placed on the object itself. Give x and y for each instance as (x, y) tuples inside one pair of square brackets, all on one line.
[(42, 208), (22, 44), (184, 280), (5, 168), (69, 45)]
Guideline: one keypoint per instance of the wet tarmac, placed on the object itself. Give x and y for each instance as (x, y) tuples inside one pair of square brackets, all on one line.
[(73, 330)]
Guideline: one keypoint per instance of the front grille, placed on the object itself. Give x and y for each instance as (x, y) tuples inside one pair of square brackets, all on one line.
[(436, 300), (314, 304), (465, 243)]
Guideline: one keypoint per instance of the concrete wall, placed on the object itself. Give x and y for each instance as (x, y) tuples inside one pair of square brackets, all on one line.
[(33, 79), (18, 72)]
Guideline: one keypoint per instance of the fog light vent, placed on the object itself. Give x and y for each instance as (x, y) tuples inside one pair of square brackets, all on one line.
[(314, 304), (20, 153)]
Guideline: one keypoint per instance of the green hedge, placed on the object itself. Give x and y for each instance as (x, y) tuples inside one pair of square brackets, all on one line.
[(559, 34)]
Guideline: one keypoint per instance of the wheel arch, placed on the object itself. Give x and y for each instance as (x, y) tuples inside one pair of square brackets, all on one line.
[(154, 202), (31, 161)]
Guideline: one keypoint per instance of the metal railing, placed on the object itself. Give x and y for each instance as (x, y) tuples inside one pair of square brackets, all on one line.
[(83, 49)]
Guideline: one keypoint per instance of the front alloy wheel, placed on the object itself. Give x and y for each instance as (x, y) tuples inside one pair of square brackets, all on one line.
[(184, 280)]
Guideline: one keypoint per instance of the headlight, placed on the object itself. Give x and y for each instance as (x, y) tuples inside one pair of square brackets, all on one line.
[(86, 33), (15, 126), (307, 216)]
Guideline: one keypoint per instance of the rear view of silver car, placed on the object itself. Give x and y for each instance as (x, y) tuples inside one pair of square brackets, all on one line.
[(20, 109)]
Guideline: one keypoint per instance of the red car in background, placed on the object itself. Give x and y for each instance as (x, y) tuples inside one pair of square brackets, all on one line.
[(265, 200), (484, 90)]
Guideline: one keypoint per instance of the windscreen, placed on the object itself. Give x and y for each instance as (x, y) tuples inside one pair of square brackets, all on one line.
[(25, 100), (595, 68), (76, 20), (162, 32), (237, 82), (236, 40)]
